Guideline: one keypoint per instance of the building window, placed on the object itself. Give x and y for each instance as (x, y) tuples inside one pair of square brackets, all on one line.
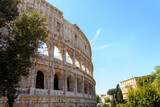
[(68, 85), (42, 48), (58, 27), (56, 82), (76, 37), (40, 80)]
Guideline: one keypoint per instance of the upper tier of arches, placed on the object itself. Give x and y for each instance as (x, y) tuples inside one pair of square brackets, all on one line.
[(57, 25)]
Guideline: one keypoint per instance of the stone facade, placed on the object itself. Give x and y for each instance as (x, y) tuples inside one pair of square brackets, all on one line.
[(65, 80), (132, 81)]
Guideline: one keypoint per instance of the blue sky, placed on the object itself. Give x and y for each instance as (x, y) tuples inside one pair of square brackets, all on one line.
[(124, 36)]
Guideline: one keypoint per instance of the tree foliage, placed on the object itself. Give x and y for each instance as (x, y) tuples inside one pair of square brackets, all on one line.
[(8, 11), (107, 99), (17, 46), (147, 93), (145, 96), (119, 95), (111, 91), (97, 98)]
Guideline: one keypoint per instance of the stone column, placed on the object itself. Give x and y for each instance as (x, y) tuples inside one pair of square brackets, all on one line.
[(49, 47), (52, 51), (64, 83), (85, 69), (63, 54), (83, 86), (75, 85), (94, 92), (73, 57), (88, 88), (45, 81), (80, 62), (51, 79), (32, 88)]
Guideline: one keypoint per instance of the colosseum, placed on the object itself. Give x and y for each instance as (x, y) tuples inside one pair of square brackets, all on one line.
[(63, 75)]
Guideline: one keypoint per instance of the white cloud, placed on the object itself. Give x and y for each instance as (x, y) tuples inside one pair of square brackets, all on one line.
[(101, 47), (96, 36)]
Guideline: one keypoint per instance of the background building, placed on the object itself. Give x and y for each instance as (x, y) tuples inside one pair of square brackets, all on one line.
[(132, 81)]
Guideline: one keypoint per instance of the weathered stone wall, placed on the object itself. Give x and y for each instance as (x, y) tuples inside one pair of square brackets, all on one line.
[(63, 83)]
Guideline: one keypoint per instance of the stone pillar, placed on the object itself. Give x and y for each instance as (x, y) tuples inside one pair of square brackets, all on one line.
[(49, 47), (80, 64), (85, 69), (64, 83), (45, 81), (51, 79), (94, 92), (83, 86), (75, 85), (88, 88), (73, 57), (63, 54), (32, 88), (52, 51)]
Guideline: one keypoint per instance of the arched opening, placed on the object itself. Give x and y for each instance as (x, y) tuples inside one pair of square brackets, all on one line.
[(90, 89), (57, 52), (70, 83), (79, 85), (77, 61), (40, 80), (87, 68), (42, 48), (83, 64), (85, 87), (58, 81), (55, 82), (69, 56)]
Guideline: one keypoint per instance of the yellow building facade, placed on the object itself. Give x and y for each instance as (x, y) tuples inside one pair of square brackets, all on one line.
[(132, 81)]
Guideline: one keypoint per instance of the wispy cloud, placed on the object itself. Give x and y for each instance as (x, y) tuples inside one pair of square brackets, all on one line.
[(96, 36), (101, 47)]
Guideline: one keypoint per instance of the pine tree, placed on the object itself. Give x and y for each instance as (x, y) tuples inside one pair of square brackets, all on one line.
[(18, 46), (119, 95)]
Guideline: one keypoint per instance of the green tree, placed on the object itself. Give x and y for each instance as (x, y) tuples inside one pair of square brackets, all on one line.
[(147, 92), (146, 96), (119, 95), (107, 99), (105, 105), (113, 102), (111, 92), (8, 11), (17, 46), (157, 68), (97, 98)]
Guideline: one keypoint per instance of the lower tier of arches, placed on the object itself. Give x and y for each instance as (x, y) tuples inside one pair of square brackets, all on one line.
[(50, 101)]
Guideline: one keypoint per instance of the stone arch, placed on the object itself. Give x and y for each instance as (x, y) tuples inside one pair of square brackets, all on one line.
[(69, 56), (85, 87), (40, 80), (87, 67), (70, 83), (43, 47), (77, 60), (79, 85), (90, 88), (57, 52), (58, 81), (83, 64)]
